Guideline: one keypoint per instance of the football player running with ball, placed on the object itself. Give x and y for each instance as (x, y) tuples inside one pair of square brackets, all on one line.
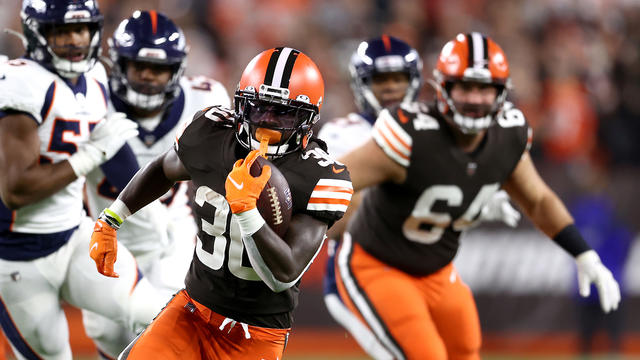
[(149, 55), (242, 286), (428, 171), (54, 129)]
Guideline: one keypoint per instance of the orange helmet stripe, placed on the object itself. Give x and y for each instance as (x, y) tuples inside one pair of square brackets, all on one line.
[(154, 21), (386, 42)]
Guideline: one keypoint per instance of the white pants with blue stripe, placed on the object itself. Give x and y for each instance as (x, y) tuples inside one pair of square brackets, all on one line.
[(31, 293)]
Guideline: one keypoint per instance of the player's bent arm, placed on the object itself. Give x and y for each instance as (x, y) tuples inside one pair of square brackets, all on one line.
[(536, 199), (544, 207), (23, 179), (148, 184), (368, 165), (280, 263), (153, 181)]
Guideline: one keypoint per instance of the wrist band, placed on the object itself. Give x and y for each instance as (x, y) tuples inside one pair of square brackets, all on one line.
[(250, 221), (115, 214), (571, 240)]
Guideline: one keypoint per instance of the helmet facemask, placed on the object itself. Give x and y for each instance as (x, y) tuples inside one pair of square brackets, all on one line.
[(378, 56), (141, 95), (147, 37), (469, 118), (286, 122), (467, 60)]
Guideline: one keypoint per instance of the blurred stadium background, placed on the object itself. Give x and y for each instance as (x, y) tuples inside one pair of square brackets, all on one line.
[(576, 72)]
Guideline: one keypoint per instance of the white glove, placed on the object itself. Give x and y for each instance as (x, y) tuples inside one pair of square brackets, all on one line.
[(107, 137), (591, 270), (498, 208)]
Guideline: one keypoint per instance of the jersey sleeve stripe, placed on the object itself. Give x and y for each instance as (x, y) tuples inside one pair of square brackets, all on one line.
[(390, 123), (49, 99), (322, 188), (331, 194), (327, 207), (392, 138), (389, 149), (344, 202), (396, 132), (104, 93), (335, 183)]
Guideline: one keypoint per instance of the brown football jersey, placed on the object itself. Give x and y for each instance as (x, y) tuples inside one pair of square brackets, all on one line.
[(415, 226), (221, 276)]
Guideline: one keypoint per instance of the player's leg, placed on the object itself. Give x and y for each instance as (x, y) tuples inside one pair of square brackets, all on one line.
[(109, 336), (343, 316), (390, 303), (128, 300), (173, 334), (30, 312), (454, 312)]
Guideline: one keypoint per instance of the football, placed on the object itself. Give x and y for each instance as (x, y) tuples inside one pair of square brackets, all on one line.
[(274, 204)]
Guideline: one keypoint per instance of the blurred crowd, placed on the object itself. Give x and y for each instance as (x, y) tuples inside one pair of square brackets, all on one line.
[(575, 64)]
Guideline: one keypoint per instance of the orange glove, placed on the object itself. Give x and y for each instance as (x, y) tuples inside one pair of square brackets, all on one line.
[(104, 248), (243, 189)]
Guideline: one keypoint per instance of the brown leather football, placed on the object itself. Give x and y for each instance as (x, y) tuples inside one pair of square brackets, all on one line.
[(275, 203)]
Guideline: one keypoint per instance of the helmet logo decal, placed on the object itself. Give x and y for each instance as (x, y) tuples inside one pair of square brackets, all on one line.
[(152, 53), (280, 67), (77, 15)]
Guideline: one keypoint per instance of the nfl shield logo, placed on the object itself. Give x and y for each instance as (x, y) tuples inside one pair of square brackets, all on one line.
[(471, 168)]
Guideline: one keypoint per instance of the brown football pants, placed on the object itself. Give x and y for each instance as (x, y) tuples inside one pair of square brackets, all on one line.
[(186, 329), (430, 317)]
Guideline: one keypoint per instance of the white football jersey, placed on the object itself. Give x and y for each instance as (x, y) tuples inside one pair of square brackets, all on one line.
[(140, 232), (345, 134), (65, 115)]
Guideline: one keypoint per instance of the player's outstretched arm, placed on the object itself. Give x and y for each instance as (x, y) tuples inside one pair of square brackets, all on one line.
[(148, 184), (368, 165), (548, 212)]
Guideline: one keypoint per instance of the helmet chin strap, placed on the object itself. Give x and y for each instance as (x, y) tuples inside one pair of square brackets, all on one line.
[(371, 99), (73, 69), (70, 69), (20, 36)]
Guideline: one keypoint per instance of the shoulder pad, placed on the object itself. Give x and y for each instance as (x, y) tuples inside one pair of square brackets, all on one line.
[(511, 116), (319, 142), (23, 86), (204, 90), (220, 115)]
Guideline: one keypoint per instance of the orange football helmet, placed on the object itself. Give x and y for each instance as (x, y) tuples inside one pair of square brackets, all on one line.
[(471, 57), (280, 92)]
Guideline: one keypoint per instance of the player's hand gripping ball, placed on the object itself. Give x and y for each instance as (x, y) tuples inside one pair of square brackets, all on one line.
[(275, 203), (254, 182)]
